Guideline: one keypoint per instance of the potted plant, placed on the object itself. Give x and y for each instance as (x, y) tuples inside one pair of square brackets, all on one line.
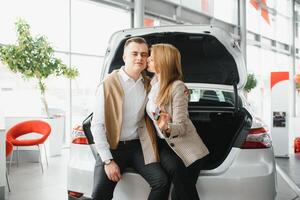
[(251, 83), (33, 57)]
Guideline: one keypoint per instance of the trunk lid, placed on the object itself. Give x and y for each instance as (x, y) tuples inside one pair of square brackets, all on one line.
[(209, 54), (211, 59)]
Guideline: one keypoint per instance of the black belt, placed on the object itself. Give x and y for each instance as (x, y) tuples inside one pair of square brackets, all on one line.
[(129, 142)]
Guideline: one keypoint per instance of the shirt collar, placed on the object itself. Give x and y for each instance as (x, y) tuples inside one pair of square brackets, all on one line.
[(125, 76)]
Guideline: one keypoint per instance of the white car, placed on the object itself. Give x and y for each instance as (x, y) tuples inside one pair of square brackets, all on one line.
[(241, 162)]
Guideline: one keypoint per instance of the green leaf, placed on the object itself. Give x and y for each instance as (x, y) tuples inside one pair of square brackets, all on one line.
[(251, 83), (33, 57)]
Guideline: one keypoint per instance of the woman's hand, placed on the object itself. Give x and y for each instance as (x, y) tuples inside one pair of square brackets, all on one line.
[(163, 120)]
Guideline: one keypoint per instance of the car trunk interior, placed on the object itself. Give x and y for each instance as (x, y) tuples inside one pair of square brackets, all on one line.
[(220, 131), (206, 60)]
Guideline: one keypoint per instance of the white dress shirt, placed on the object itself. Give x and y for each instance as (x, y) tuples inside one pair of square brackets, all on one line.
[(151, 106), (134, 97)]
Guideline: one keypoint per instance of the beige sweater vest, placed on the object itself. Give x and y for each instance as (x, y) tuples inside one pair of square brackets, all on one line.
[(113, 104), (113, 107)]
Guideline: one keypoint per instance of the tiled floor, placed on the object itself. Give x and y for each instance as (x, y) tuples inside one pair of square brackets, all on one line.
[(28, 182), (291, 166)]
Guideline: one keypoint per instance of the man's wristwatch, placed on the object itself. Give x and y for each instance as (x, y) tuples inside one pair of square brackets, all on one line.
[(107, 162)]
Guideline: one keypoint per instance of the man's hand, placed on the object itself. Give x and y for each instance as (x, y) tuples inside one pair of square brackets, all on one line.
[(112, 171)]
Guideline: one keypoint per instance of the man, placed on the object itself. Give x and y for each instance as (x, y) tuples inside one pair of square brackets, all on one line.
[(118, 125)]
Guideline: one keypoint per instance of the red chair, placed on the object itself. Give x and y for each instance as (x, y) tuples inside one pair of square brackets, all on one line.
[(9, 149), (28, 127)]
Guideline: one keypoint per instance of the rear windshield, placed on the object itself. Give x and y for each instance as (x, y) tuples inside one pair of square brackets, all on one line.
[(211, 97)]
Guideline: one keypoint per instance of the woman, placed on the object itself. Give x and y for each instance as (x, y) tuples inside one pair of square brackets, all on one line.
[(181, 148)]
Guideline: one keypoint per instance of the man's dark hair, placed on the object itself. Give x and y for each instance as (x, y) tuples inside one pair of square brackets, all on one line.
[(138, 40)]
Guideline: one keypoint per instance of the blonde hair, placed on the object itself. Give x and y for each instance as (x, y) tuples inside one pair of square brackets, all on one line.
[(167, 62)]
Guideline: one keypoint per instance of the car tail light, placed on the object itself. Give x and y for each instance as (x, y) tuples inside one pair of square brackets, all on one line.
[(75, 194), (78, 136), (257, 138)]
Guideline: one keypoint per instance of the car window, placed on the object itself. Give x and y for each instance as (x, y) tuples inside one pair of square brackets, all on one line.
[(205, 95)]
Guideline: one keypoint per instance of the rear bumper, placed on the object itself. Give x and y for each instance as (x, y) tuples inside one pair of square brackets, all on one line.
[(81, 170), (251, 175), (81, 198)]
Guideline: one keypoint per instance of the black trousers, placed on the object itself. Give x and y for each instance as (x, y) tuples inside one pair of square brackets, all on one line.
[(130, 155), (183, 178)]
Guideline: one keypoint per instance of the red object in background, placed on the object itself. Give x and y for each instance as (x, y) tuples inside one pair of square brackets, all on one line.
[(27, 127), (148, 22), (297, 78), (9, 148), (264, 10), (297, 145), (276, 77), (205, 6)]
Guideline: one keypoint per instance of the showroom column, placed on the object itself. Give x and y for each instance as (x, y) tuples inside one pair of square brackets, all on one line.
[(293, 56), (139, 10), (280, 114), (242, 28)]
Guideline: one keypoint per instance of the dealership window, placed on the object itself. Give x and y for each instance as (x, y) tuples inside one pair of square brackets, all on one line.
[(90, 36), (39, 15), (272, 25), (226, 11), (16, 92), (91, 26)]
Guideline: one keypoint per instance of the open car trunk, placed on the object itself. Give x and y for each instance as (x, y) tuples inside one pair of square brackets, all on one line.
[(205, 58), (220, 131), (210, 58)]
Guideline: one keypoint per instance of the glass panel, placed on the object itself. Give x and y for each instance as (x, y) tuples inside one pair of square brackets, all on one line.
[(84, 87), (283, 29), (268, 29), (16, 93), (206, 96), (226, 10), (150, 21), (270, 3), (253, 59), (92, 25), (40, 16), (284, 7), (21, 97), (260, 21), (203, 6), (253, 18), (282, 63), (58, 96)]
